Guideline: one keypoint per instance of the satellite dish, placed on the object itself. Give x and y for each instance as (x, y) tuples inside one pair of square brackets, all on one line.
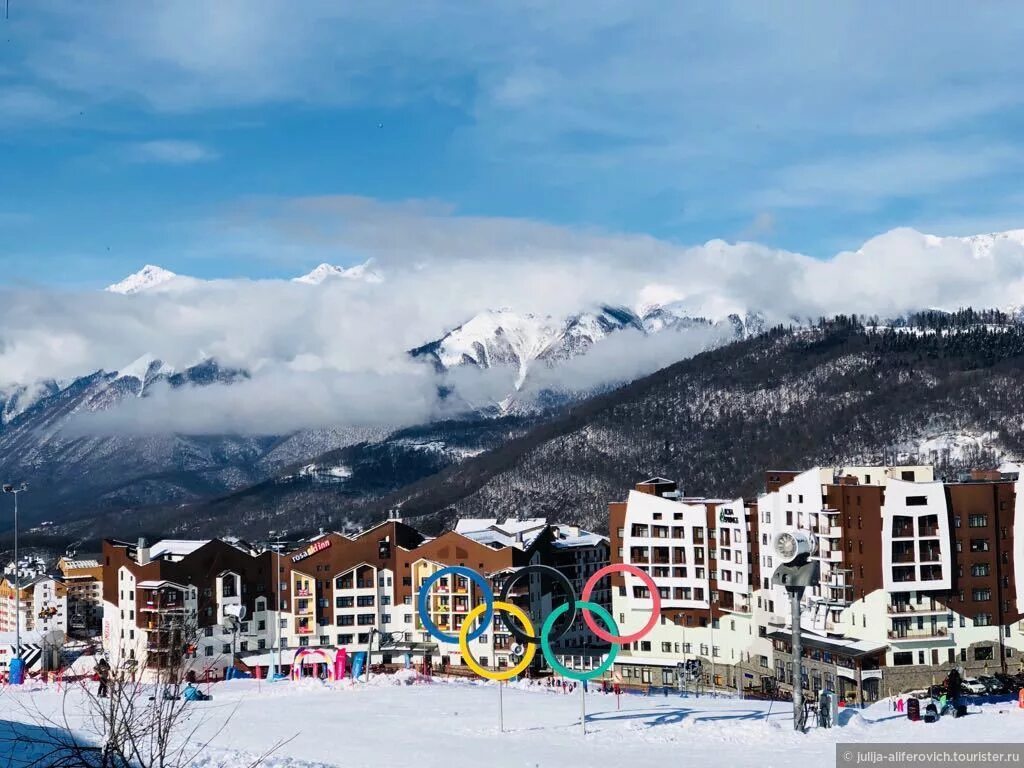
[(518, 650)]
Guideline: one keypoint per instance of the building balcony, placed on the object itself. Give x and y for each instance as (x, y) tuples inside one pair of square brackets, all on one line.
[(915, 635), (303, 593), (830, 555), (739, 608), (912, 609)]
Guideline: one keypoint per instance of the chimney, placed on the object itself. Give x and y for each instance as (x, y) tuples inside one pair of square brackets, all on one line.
[(142, 552)]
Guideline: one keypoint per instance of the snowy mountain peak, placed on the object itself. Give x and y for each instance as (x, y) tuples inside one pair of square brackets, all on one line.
[(982, 245), (145, 369), (145, 279), (324, 272)]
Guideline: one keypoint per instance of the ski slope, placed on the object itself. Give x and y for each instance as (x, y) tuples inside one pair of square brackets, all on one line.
[(395, 721)]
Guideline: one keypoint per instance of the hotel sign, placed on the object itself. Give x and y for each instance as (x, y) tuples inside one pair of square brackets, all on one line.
[(727, 516), (312, 549)]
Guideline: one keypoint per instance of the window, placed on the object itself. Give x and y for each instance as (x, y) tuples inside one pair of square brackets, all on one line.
[(978, 521), (903, 659), (208, 651), (917, 501), (345, 620), (645, 645), (226, 648), (344, 639), (666, 647), (983, 653), (366, 619), (983, 620), (980, 569), (365, 601), (979, 545)]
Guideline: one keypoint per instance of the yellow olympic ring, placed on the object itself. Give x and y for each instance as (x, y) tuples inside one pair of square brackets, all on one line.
[(467, 655)]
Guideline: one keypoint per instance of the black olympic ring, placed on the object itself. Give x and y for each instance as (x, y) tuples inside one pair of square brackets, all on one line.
[(567, 590)]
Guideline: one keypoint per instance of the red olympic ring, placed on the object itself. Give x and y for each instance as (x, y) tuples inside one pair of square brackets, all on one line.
[(646, 579)]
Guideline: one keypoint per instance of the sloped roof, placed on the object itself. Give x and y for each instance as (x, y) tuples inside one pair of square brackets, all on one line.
[(176, 547)]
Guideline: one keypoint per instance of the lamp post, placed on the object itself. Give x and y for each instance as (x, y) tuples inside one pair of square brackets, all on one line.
[(276, 545), (17, 668)]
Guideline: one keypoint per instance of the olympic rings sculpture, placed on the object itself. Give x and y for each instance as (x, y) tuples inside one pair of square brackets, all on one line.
[(524, 630)]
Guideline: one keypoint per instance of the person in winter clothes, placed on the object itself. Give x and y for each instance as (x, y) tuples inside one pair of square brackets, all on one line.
[(103, 672)]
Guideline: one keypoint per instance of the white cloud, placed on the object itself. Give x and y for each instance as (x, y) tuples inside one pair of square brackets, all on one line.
[(336, 353), (170, 152)]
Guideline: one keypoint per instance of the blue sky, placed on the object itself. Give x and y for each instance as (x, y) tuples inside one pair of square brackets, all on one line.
[(182, 134)]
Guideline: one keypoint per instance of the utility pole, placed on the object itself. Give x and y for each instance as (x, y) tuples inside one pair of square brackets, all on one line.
[(276, 546), (16, 670)]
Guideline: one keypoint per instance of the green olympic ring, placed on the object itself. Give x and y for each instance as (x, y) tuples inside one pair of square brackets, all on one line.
[(560, 668)]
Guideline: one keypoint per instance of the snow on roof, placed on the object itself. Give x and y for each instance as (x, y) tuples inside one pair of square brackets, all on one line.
[(582, 539), (30, 637), (176, 547), (475, 524), (76, 564), (157, 583), (510, 533)]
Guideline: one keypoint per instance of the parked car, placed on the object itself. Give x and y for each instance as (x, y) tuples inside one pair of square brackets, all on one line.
[(992, 686), (973, 686), (1010, 683)]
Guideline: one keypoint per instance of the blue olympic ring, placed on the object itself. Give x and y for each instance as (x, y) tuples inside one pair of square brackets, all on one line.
[(473, 576)]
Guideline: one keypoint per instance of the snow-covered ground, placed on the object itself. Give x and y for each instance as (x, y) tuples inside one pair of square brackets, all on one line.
[(455, 725)]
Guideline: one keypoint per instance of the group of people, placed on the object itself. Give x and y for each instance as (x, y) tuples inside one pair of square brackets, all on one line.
[(191, 692)]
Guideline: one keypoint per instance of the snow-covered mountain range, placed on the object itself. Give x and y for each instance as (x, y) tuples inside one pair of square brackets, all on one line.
[(529, 361)]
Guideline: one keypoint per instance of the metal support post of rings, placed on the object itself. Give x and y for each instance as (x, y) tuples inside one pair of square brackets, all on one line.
[(544, 570), (485, 613)]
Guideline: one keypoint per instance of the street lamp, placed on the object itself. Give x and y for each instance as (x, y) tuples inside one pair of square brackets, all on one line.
[(16, 672), (276, 545)]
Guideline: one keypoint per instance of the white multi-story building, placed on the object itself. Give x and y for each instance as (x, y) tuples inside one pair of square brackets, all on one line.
[(916, 575)]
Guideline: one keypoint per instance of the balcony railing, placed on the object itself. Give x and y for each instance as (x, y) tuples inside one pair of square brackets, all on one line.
[(913, 608), (928, 633)]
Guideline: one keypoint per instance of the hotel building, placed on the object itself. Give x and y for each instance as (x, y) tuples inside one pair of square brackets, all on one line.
[(333, 591), (916, 576)]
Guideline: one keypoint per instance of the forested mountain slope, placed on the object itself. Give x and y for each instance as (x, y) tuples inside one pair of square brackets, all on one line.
[(838, 393)]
